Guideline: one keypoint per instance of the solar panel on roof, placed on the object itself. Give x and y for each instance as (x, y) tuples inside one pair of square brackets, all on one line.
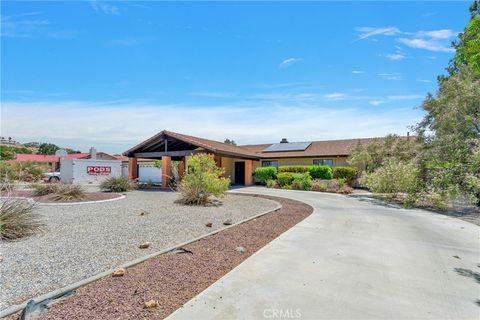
[(290, 146)]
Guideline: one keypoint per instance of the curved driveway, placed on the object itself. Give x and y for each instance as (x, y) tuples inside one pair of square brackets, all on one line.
[(352, 260)]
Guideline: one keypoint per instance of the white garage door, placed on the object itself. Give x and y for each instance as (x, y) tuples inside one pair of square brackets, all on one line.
[(148, 172)]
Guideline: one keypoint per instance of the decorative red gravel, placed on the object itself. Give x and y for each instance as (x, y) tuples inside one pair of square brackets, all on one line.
[(172, 279)]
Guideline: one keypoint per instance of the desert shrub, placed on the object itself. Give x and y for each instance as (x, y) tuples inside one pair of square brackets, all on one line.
[(263, 174), (23, 170), (6, 171), (320, 172), (294, 169), (17, 219), (285, 178), (302, 181), (272, 183), (44, 189), (202, 180), (347, 173), (346, 189), (68, 192), (117, 184), (318, 185), (393, 177)]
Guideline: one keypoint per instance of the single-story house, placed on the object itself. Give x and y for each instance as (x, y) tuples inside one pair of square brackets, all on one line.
[(241, 161)]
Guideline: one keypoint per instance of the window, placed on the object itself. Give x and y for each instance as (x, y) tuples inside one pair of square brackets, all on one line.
[(270, 163), (328, 162)]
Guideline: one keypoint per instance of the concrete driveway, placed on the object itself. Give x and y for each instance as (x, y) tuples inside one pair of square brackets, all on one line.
[(352, 260)]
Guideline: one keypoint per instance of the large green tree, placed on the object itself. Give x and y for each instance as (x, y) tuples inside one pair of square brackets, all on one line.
[(47, 148)]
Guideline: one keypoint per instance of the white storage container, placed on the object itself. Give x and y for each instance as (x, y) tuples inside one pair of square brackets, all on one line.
[(89, 171)]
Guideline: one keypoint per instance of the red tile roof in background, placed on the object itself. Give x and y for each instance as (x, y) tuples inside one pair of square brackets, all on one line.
[(35, 157)]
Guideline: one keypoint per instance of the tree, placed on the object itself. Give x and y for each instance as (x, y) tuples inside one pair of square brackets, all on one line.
[(47, 148), (468, 44), (228, 141)]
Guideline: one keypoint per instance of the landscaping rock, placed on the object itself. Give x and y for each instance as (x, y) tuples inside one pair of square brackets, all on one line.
[(227, 222), (240, 249), (143, 213), (151, 304), (144, 245), (119, 272), (207, 225)]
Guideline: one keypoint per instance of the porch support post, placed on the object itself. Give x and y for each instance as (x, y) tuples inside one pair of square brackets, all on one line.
[(132, 168), (181, 167), (218, 160), (166, 170), (248, 172)]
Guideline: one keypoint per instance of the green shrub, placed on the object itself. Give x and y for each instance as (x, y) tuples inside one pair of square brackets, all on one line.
[(44, 189), (294, 169), (302, 181), (394, 177), (202, 180), (117, 184), (320, 172), (68, 192), (263, 174), (272, 183), (17, 219), (285, 178), (318, 185), (347, 173)]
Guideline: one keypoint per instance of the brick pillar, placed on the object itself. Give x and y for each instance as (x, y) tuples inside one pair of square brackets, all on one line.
[(181, 167), (132, 168), (166, 170), (248, 172)]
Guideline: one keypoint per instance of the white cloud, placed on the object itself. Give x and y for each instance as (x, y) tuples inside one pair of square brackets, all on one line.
[(335, 96), (367, 32), (430, 45), (116, 127), (437, 34), (395, 56), (125, 42), (358, 72), (405, 97), (390, 76), (377, 102), (424, 80), (288, 62), (211, 94), (104, 7)]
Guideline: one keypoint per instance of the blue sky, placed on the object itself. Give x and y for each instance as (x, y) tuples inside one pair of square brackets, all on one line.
[(109, 74)]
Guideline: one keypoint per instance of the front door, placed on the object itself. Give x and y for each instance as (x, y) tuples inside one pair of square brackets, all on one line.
[(239, 172)]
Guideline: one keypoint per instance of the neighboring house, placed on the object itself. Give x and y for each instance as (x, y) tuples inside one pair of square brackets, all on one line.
[(54, 161), (240, 162)]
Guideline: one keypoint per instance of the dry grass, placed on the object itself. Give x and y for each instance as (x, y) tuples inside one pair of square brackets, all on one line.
[(17, 219), (69, 192)]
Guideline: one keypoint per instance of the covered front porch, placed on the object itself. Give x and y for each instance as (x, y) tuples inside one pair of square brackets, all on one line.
[(170, 146)]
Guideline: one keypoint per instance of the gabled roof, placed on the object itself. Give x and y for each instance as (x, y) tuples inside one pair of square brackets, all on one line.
[(209, 145)]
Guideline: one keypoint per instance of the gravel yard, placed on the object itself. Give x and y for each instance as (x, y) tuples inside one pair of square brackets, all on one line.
[(82, 240)]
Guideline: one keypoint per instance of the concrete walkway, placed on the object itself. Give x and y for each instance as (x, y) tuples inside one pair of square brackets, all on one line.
[(352, 260)]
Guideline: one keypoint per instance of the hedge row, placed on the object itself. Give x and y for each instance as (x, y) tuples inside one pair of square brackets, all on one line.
[(315, 171)]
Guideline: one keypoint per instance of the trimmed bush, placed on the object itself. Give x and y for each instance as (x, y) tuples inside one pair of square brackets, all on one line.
[(272, 184), (347, 173), (44, 189), (302, 181), (294, 169), (285, 178), (117, 184), (68, 192), (17, 219), (263, 174), (202, 181), (320, 172)]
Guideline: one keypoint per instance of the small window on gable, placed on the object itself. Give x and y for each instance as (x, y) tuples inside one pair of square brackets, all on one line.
[(328, 162), (270, 163)]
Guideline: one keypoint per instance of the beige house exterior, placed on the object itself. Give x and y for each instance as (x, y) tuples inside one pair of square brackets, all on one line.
[(239, 162)]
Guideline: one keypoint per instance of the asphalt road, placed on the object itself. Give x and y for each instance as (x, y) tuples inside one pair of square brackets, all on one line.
[(352, 259)]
